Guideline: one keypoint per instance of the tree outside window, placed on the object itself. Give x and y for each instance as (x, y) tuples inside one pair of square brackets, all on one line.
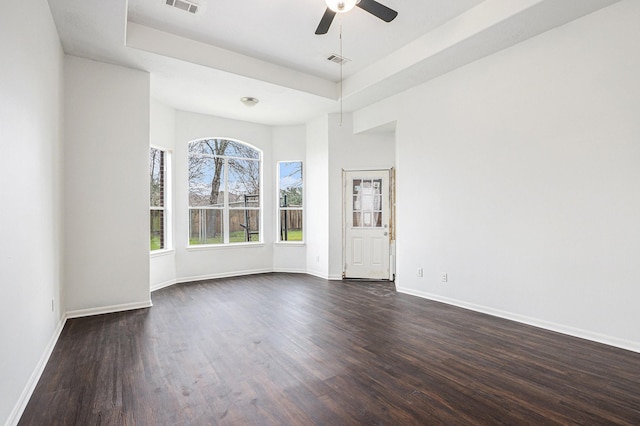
[(157, 202), (224, 192), (290, 204)]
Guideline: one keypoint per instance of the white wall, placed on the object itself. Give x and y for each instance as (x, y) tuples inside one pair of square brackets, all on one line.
[(331, 147), (30, 212), (162, 263), (324, 146), (289, 144), (317, 191), (522, 172), (210, 262), (348, 151), (106, 186), (185, 264)]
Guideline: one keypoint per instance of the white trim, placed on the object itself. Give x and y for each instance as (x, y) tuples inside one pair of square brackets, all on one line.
[(161, 252), (547, 325), (162, 285), (223, 275), (289, 270), (317, 275), (22, 402), (325, 277), (108, 309), (227, 275), (223, 246), (289, 244)]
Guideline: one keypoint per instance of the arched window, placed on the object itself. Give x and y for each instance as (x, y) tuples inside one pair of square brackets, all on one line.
[(224, 192)]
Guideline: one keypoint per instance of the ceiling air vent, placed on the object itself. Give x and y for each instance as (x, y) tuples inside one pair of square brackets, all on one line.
[(187, 6), (338, 59)]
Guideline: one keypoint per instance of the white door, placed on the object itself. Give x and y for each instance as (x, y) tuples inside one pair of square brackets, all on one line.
[(366, 222)]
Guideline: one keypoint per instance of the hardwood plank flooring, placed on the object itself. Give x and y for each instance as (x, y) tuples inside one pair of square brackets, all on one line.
[(280, 349)]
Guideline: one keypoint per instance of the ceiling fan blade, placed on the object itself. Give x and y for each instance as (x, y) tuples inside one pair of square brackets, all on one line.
[(377, 9), (325, 22)]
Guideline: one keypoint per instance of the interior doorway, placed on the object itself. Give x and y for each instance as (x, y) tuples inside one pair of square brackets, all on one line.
[(367, 224)]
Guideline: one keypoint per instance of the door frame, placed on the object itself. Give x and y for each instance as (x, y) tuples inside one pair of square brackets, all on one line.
[(392, 218)]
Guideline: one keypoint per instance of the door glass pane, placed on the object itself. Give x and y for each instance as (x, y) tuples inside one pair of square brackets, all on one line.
[(366, 219), (377, 219), (356, 203), (377, 186), (357, 183), (367, 203), (356, 219)]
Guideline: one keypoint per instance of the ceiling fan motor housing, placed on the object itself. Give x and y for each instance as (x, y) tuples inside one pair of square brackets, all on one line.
[(341, 6)]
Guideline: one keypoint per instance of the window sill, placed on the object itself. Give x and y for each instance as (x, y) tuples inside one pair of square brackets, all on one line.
[(224, 246), (289, 243), (159, 253)]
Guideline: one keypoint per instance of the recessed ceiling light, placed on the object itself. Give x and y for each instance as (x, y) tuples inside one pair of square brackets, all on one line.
[(249, 101)]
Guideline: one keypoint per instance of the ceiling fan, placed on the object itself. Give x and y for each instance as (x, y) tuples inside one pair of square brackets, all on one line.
[(342, 6)]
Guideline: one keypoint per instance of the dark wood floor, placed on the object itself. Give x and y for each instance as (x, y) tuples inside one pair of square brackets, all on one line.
[(296, 350)]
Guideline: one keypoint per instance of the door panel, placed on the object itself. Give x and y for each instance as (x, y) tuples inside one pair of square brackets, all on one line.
[(356, 257), (366, 224), (377, 251)]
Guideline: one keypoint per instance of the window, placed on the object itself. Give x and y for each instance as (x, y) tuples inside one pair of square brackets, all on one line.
[(158, 167), (367, 203), (224, 192), (290, 207)]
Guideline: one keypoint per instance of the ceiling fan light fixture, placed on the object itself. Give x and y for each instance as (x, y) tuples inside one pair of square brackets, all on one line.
[(341, 6)]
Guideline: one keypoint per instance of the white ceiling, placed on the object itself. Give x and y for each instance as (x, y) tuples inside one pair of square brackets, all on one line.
[(206, 62), (282, 31)]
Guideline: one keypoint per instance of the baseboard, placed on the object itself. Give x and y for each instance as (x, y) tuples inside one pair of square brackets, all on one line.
[(239, 274), (18, 409), (317, 275), (163, 285), (546, 325), (108, 309), (330, 277), (289, 270), (223, 275)]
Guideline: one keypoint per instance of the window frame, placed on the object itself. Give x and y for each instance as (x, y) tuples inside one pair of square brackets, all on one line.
[(167, 196), (226, 208), (280, 208)]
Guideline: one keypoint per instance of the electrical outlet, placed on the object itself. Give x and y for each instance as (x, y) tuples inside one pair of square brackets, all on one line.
[(443, 277), (419, 272)]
